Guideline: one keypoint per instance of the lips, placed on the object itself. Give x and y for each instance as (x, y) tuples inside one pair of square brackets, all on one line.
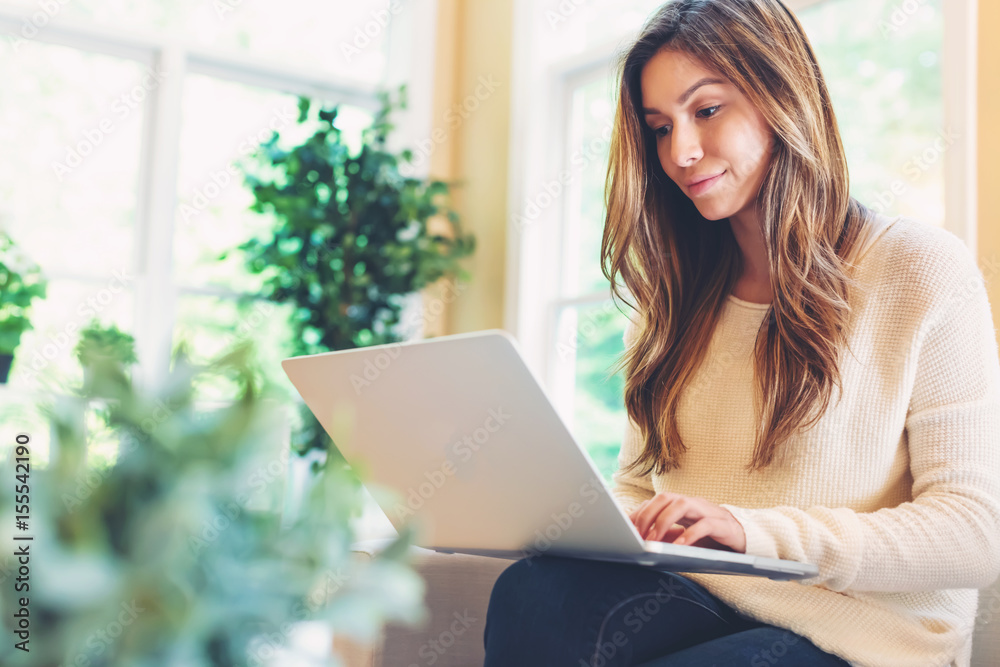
[(701, 179), (703, 185)]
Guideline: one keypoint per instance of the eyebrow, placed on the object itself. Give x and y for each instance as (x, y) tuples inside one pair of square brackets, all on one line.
[(687, 93)]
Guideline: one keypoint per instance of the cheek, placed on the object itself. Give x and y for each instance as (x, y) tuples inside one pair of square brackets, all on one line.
[(751, 150)]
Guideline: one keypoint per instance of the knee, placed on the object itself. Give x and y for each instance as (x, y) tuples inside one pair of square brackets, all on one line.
[(527, 584), (525, 611), (522, 577)]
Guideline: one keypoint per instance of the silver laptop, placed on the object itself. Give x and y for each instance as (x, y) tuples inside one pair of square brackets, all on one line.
[(456, 435)]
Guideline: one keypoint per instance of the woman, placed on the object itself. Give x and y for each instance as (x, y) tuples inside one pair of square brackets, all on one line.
[(756, 292)]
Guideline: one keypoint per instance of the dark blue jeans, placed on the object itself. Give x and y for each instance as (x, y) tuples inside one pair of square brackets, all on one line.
[(552, 611)]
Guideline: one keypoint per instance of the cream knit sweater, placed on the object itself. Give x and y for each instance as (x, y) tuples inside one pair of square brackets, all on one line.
[(894, 494)]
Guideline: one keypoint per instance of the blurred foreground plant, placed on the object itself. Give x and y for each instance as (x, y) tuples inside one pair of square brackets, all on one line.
[(170, 556), (98, 340)]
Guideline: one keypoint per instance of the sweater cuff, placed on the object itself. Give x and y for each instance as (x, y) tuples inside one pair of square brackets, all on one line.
[(759, 542)]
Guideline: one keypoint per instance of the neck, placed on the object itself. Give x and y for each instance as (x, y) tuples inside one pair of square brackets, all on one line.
[(750, 237)]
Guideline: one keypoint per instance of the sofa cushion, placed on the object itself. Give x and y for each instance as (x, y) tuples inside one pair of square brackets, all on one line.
[(457, 596)]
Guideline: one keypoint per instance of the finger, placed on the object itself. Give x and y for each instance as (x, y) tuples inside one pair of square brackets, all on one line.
[(703, 528), (674, 512), (647, 512), (645, 517), (686, 512), (635, 512), (671, 534)]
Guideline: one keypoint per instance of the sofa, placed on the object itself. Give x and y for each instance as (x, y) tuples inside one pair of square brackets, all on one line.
[(458, 593)]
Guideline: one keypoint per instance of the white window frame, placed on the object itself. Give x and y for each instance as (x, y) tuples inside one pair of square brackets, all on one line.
[(155, 292), (540, 106), (410, 58)]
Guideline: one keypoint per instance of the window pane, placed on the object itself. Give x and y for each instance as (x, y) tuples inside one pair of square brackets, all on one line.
[(70, 123), (210, 325), (223, 123), (593, 115), (885, 79), (588, 346), (336, 38), (564, 29), (149, 15)]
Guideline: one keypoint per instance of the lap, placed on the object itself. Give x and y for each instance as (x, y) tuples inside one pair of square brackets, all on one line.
[(552, 610), (547, 610), (757, 647)]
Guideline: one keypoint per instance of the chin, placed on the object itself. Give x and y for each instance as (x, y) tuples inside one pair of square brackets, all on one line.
[(714, 214)]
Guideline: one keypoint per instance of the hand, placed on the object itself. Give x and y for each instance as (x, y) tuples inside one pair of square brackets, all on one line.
[(703, 523)]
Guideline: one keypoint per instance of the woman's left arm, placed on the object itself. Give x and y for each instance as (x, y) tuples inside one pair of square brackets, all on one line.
[(948, 536)]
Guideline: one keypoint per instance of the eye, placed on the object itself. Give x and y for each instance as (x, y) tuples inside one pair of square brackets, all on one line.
[(712, 109), (661, 132)]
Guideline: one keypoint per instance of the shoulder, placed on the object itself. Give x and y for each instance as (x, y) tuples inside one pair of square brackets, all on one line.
[(914, 238), (921, 265), (927, 256)]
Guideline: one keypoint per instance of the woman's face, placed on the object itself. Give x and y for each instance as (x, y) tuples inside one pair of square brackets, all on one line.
[(712, 130)]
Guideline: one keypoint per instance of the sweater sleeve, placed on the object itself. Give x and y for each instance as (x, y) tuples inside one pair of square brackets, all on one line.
[(630, 489), (948, 536)]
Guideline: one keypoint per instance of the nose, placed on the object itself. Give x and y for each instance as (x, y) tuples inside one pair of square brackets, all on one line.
[(685, 145)]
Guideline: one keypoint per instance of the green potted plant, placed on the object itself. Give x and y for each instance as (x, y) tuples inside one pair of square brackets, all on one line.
[(21, 282), (98, 341), (165, 556), (351, 238)]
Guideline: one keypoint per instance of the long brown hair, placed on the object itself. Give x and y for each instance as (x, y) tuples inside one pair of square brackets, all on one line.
[(678, 267)]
